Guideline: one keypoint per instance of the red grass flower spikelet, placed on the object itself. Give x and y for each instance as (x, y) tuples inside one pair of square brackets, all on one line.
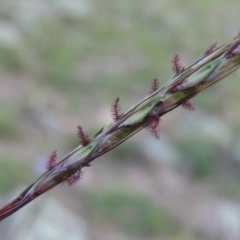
[(52, 160), (210, 49), (154, 85), (153, 125), (176, 66), (84, 140), (116, 109), (188, 105), (177, 69), (75, 177)]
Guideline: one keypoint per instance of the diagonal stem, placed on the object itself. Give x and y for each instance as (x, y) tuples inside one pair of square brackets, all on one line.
[(203, 73)]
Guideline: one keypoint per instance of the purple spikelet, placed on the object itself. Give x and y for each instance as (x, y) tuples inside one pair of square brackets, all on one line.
[(52, 160), (116, 109), (84, 140), (154, 85), (153, 125)]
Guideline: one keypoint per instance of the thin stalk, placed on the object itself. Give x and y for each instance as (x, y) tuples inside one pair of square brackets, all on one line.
[(206, 71)]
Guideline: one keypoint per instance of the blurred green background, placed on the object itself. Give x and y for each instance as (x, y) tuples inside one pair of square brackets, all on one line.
[(62, 62)]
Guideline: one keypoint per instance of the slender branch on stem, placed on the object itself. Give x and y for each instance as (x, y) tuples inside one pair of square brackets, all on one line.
[(214, 65)]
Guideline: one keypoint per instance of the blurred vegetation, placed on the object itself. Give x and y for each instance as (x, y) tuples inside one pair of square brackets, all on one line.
[(134, 214), (8, 124), (11, 172), (63, 62)]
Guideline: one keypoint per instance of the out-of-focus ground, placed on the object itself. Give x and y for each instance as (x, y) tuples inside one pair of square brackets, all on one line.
[(62, 62)]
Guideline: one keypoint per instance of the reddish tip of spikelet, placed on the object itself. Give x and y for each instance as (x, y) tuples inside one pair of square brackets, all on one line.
[(75, 177), (176, 66), (153, 125), (116, 109), (188, 105), (210, 49), (84, 140), (154, 85), (177, 69), (52, 160)]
